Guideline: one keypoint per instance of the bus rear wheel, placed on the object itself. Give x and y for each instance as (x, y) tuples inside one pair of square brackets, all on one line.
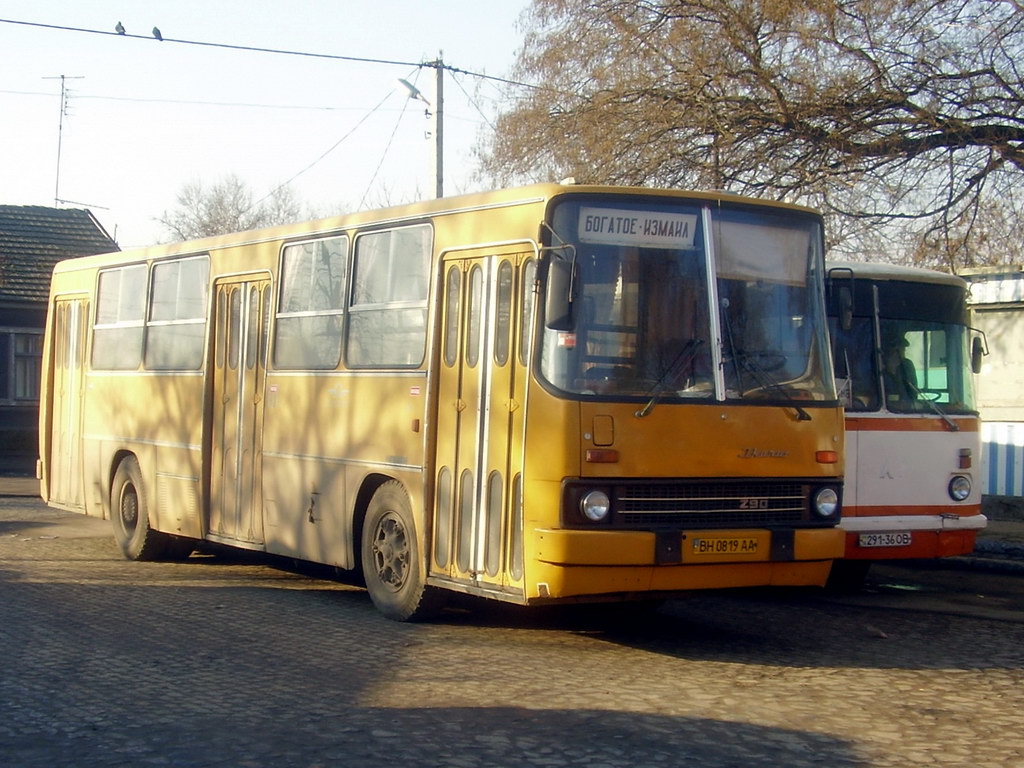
[(392, 567), (129, 515)]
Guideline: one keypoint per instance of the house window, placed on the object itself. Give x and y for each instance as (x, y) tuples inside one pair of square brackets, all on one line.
[(21, 354)]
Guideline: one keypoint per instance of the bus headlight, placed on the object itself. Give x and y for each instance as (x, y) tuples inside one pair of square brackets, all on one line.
[(959, 488), (595, 506), (826, 502)]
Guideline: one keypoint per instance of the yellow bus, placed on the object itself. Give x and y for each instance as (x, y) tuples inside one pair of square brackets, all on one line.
[(553, 393)]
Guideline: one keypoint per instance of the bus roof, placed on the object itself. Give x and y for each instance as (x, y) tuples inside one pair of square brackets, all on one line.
[(501, 198), (878, 271)]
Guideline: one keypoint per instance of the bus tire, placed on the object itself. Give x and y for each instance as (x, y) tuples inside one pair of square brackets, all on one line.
[(393, 569), (129, 514)]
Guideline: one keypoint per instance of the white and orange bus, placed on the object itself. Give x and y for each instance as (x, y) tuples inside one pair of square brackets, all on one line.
[(903, 351), (543, 394)]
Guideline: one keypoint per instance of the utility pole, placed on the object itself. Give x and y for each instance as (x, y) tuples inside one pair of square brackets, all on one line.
[(439, 126), (436, 112), (60, 128)]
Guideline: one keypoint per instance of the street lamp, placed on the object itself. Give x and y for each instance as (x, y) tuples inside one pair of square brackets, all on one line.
[(438, 115)]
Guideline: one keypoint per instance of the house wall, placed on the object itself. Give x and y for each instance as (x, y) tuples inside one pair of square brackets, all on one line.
[(33, 239), (997, 301), (19, 397)]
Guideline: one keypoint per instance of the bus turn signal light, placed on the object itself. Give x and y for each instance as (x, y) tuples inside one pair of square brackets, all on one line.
[(965, 458), (827, 457), (602, 456)]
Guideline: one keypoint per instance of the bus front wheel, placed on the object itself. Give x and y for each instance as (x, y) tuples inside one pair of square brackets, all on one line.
[(129, 514), (392, 567)]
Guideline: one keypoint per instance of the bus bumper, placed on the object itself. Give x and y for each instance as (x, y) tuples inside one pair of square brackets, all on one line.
[(902, 537), (609, 563)]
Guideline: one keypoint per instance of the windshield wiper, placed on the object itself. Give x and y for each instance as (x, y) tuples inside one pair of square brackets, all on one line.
[(953, 426), (685, 356), (746, 361), (765, 381)]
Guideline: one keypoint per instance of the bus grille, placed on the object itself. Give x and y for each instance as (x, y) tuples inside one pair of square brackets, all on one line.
[(722, 505)]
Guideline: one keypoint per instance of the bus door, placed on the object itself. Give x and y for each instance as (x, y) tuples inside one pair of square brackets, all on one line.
[(477, 512), (241, 318), (65, 482)]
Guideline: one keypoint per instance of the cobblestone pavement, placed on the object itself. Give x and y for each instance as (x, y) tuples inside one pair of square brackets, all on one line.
[(236, 661)]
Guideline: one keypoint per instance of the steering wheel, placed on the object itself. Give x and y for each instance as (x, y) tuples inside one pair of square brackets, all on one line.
[(765, 361)]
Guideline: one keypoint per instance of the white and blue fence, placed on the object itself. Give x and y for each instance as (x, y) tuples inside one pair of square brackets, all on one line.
[(1002, 456)]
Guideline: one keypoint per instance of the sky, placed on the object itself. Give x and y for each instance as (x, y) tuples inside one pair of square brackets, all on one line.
[(143, 117)]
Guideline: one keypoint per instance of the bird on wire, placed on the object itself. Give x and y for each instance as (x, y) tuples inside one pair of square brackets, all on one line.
[(119, 28), (156, 33)]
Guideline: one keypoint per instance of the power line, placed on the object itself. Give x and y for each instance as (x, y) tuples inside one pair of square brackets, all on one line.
[(384, 154), (505, 80), (203, 103), (278, 51), (438, 65), (476, 106), (229, 46), (333, 147), (196, 102)]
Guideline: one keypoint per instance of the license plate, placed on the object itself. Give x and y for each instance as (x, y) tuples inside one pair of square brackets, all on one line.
[(705, 546), (895, 539)]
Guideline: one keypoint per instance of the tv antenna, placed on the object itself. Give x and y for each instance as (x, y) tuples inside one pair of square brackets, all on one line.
[(60, 127)]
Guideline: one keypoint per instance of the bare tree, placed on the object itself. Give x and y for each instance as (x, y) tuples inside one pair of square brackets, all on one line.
[(904, 116), (227, 206)]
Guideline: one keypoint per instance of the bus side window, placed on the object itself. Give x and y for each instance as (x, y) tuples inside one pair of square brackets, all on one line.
[(221, 346), (234, 327), (474, 307), (120, 315), (503, 313), (307, 335), (526, 302), (387, 324), (452, 315), (176, 326)]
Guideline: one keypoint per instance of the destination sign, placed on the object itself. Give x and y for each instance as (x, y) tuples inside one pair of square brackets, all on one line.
[(644, 229)]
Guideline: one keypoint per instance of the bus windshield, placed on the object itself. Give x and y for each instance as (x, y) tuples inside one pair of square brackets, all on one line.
[(907, 347), (648, 320), (920, 365)]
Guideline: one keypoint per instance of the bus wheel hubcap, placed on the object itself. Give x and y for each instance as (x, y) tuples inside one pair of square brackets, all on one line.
[(391, 552), (129, 508)]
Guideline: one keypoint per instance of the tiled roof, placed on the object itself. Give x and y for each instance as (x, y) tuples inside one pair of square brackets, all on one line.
[(33, 238)]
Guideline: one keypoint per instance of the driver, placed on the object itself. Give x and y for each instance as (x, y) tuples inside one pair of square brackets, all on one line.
[(899, 376)]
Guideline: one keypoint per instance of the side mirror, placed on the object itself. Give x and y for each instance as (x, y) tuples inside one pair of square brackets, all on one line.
[(558, 299), (977, 352), (840, 286), (845, 307)]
